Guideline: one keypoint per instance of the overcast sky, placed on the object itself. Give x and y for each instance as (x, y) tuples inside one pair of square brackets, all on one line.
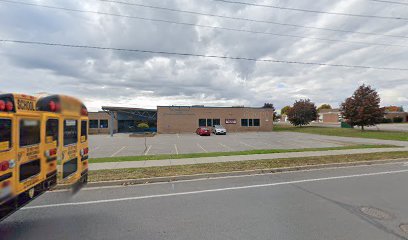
[(106, 77)]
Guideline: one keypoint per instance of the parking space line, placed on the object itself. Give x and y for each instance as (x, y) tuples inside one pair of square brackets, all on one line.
[(247, 145), (175, 147), (114, 154), (95, 148), (148, 149), (229, 148), (201, 147)]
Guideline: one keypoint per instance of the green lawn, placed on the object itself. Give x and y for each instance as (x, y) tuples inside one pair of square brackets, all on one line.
[(150, 172), (217, 154), (345, 132)]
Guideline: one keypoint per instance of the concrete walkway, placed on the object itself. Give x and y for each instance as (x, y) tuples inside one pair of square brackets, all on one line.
[(186, 161)]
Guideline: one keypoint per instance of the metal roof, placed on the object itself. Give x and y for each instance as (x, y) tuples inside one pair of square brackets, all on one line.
[(113, 109)]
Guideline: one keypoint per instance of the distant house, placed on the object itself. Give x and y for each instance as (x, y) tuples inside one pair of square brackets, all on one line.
[(395, 114), (329, 115)]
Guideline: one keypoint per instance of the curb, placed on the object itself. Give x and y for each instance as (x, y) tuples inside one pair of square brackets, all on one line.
[(126, 182)]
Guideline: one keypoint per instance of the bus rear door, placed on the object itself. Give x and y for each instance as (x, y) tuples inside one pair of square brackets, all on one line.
[(84, 149), (70, 157), (51, 149), (29, 159)]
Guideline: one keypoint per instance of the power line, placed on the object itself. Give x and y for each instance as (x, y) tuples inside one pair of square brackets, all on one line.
[(207, 26), (199, 55), (391, 2), (249, 19), (308, 10)]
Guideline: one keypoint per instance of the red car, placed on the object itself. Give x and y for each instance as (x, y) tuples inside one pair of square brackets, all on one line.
[(203, 131)]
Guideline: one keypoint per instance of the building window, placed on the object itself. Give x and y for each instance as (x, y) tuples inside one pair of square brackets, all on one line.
[(216, 121), (103, 124), (209, 122), (257, 123), (250, 122), (93, 123), (202, 122)]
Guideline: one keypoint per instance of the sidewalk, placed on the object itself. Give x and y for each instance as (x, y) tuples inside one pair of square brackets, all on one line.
[(186, 161)]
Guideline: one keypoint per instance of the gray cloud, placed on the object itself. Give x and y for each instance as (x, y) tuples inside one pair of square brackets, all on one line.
[(146, 80)]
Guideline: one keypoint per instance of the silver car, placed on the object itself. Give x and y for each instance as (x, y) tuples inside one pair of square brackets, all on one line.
[(219, 129)]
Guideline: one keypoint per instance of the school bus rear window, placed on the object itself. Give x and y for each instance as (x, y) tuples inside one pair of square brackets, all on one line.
[(70, 132), (5, 134), (69, 167), (30, 169), (52, 130), (29, 132)]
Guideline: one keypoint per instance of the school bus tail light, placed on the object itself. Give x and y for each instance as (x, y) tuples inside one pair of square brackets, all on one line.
[(84, 151), (5, 184), (2, 105), (4, 166), (9, 106), (51, 152), (52, 106)]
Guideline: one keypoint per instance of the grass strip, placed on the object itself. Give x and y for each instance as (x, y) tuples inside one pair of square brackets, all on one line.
[(345, 132), (218, 154), (150, 172)]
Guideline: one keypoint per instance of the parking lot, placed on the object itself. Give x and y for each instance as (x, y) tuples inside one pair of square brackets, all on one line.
[(123, 145)]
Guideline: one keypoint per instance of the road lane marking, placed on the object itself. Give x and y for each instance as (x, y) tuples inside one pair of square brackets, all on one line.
[(247, 145), (175, 147), (229, 148), (114, 154), (237, 176), (201, 147), (213, 190), (148, 149)]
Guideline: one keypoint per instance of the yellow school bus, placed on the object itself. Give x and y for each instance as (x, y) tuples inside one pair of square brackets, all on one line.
[(70, 146), (23, 176), (38, 136)]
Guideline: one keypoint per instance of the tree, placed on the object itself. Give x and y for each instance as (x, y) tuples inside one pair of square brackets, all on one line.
[(324, 106), (270, 105), (144, 126), (363, 108), (285, 110), (302, 113)]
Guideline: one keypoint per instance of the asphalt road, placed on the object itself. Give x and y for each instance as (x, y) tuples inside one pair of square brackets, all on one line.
[(366, 202)]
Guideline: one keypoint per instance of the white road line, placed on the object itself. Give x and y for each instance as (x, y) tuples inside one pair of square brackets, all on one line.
[(247, 145), (96, 148), (175, 147), (212, 190), (201, 147), (114, 154), (148, 149), (178, 135), (229, 148), (238, 176)]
